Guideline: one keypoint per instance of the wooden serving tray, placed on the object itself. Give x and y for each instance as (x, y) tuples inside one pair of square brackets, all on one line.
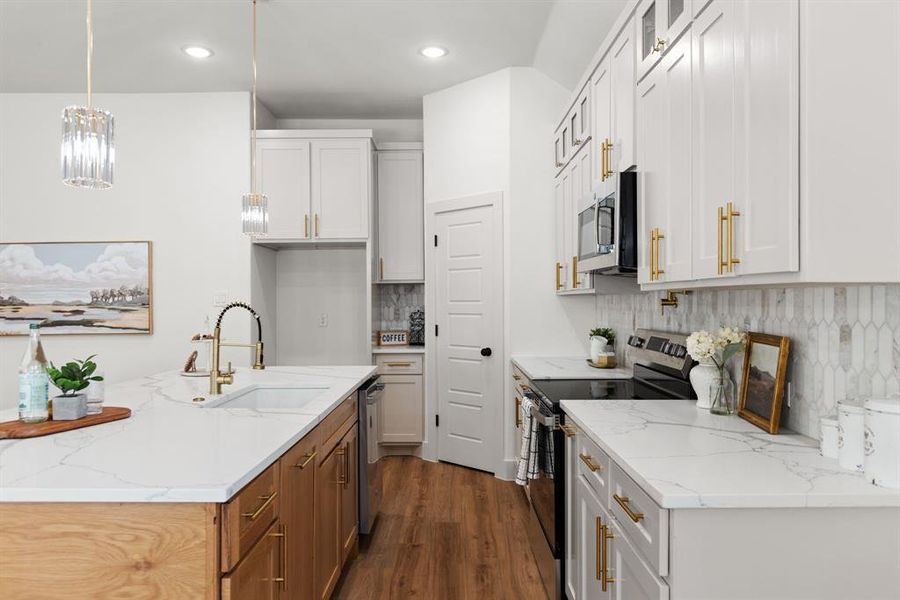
[(10, 430)]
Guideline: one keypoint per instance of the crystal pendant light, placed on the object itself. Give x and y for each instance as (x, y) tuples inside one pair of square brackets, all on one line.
[(255, 209), (88, 149)]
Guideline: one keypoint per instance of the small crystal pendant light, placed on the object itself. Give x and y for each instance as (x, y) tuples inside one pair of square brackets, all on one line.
[(255, 210), (88, 148)]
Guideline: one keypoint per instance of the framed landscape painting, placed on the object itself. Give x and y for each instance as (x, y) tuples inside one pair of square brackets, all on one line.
[(765, 367), (76, 287)]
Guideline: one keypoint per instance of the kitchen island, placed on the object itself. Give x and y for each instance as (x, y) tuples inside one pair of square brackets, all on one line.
[(673, 502), (184, 500)]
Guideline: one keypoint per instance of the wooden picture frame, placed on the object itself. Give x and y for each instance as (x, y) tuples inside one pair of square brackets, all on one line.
[(762, 387)]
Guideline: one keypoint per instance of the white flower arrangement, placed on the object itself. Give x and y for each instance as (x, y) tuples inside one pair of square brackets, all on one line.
[(704, 346)]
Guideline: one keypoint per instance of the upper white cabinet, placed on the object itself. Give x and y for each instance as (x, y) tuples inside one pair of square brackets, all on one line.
[(318, 189), (400, 215), (341, 183), (745, 139), (575, 130), (283, 175), (658, 23), (572, 191), (613, 100), (664, 156)]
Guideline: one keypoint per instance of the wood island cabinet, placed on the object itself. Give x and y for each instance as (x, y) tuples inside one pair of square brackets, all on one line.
[(286, 535)]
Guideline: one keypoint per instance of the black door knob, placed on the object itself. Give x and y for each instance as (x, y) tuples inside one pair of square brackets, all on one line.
[(486, 352)]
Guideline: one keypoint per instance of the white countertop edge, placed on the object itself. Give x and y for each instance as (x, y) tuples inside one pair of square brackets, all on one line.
[(880, 498), (538, 368)]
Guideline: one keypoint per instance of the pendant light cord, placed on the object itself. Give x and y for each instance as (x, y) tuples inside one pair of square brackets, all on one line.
[(90, 50), (253, 133)]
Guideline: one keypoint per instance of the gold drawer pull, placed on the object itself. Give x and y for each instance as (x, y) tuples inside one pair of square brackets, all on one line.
[(267, 500), (309, 457), (399, 364), (518, 412), (516, 377), (342, 474), (282, 580), (603, 558), (574, 272), (600, 541), (623, 502), (558, 280), (589, 461), (568, 430)]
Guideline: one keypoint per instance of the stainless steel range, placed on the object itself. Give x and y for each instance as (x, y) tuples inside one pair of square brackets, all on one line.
[(661, 367)]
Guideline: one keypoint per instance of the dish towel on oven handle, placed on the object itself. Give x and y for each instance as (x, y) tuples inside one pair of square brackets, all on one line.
[(528, 467)]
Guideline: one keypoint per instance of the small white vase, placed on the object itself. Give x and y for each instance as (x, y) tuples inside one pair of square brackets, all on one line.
[(598, 347), (702, 376)]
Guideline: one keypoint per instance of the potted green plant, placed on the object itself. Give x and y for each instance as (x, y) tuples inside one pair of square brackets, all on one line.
[(603, 339), (71, 378)]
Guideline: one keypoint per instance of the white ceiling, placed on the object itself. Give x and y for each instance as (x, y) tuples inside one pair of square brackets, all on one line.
[(317, 58)]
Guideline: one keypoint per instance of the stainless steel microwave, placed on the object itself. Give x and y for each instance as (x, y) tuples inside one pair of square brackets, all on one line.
[(607, 230)]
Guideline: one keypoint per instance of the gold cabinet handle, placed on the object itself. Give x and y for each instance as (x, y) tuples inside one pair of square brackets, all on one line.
[(399, 364), (308, 459), (659, 236), (282, 534), (381, 261), (623, 502), (574, 272), (317, 224), (342, 475), (589, 461), (267, 500), (601, 542), (603, 152), (720, 222), (516, 377), (518, 412), (660, 44), (558, 280), (577, 142), (603, 556), (653, 254), (568, 430), (525, 388), (306, 225), (730, 213), (609, 147), (347, 466)]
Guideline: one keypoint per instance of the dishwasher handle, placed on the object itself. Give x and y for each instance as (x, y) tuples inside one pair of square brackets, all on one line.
[(373, 392)]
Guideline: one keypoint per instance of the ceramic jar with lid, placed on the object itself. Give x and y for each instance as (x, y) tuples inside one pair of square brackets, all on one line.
[(851, 416), (882, 442)]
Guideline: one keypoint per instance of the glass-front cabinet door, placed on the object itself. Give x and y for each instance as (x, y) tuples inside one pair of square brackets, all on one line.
[(659, 23)]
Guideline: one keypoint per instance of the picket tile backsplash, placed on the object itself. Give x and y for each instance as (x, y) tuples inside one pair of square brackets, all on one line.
[(845, 340)]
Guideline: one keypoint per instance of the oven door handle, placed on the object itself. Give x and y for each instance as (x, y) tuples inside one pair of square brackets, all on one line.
[(542, 419)]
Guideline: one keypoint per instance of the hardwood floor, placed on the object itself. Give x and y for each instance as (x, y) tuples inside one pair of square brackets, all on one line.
[(445, 533)]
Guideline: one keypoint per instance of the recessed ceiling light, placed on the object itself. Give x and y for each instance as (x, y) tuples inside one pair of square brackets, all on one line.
[(197, 51), (433, 52)]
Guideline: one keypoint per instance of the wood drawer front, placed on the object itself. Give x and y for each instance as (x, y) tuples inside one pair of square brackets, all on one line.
[(647, 527), (257, 575), (594, 464), (399, 364), (634, 579), (248, 515), (335, 421)]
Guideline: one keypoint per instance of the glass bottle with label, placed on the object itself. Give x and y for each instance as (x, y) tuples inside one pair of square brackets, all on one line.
[(34, 383)]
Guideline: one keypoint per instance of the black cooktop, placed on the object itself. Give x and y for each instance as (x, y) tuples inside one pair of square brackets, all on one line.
[(647, 384)]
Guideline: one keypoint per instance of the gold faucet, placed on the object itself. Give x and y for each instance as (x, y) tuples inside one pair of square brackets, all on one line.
[(671, 299), (219, 378)]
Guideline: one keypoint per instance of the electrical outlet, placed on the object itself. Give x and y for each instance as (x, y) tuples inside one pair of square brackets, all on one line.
[(323, 320), (220, 299)]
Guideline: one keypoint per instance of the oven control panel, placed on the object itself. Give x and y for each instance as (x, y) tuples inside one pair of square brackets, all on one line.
[(660, 347)]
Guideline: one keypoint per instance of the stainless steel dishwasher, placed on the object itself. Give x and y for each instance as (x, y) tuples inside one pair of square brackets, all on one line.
[(370, 485)]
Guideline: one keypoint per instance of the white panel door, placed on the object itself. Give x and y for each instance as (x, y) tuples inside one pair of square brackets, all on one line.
[(633, 578), (282, 171), (651, 168), (601, 99), (401, 216), (468, 299), (401, 410), (675, 251), (623, 75), (559, 203), (767, 137), (713, 132), (340, 188), (573, 524)]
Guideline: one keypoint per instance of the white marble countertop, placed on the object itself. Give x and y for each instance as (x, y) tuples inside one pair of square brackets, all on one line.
[(170, 450), (398, 350), (688, 458), (565, 367)]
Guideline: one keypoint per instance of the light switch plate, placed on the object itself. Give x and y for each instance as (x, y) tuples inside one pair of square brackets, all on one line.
[(220, 299)]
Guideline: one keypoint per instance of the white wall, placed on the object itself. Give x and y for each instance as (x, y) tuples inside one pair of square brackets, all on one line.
[(182, 164), (383, 130), (310, 283), (495, 133)]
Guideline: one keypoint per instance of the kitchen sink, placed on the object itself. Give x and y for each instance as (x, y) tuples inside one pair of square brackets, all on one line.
[(264, 397)]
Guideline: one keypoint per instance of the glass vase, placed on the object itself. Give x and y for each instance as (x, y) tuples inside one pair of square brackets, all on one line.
[(721, 393)]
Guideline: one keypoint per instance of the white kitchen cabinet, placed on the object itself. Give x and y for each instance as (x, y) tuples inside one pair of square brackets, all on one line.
[(401, 409), (341, 188), (634, 579), (664, 154), (572, 191), (602, 100), (591, 517), (658, 24), (572, 556), (283, 172), (401, 220), (745, 138)]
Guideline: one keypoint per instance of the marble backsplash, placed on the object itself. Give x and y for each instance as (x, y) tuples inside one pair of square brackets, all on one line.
[(845, 340), (392, 304)]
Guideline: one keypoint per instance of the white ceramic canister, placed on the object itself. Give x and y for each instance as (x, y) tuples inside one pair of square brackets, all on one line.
[(882, 442), (828, 444), (850, 435)]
